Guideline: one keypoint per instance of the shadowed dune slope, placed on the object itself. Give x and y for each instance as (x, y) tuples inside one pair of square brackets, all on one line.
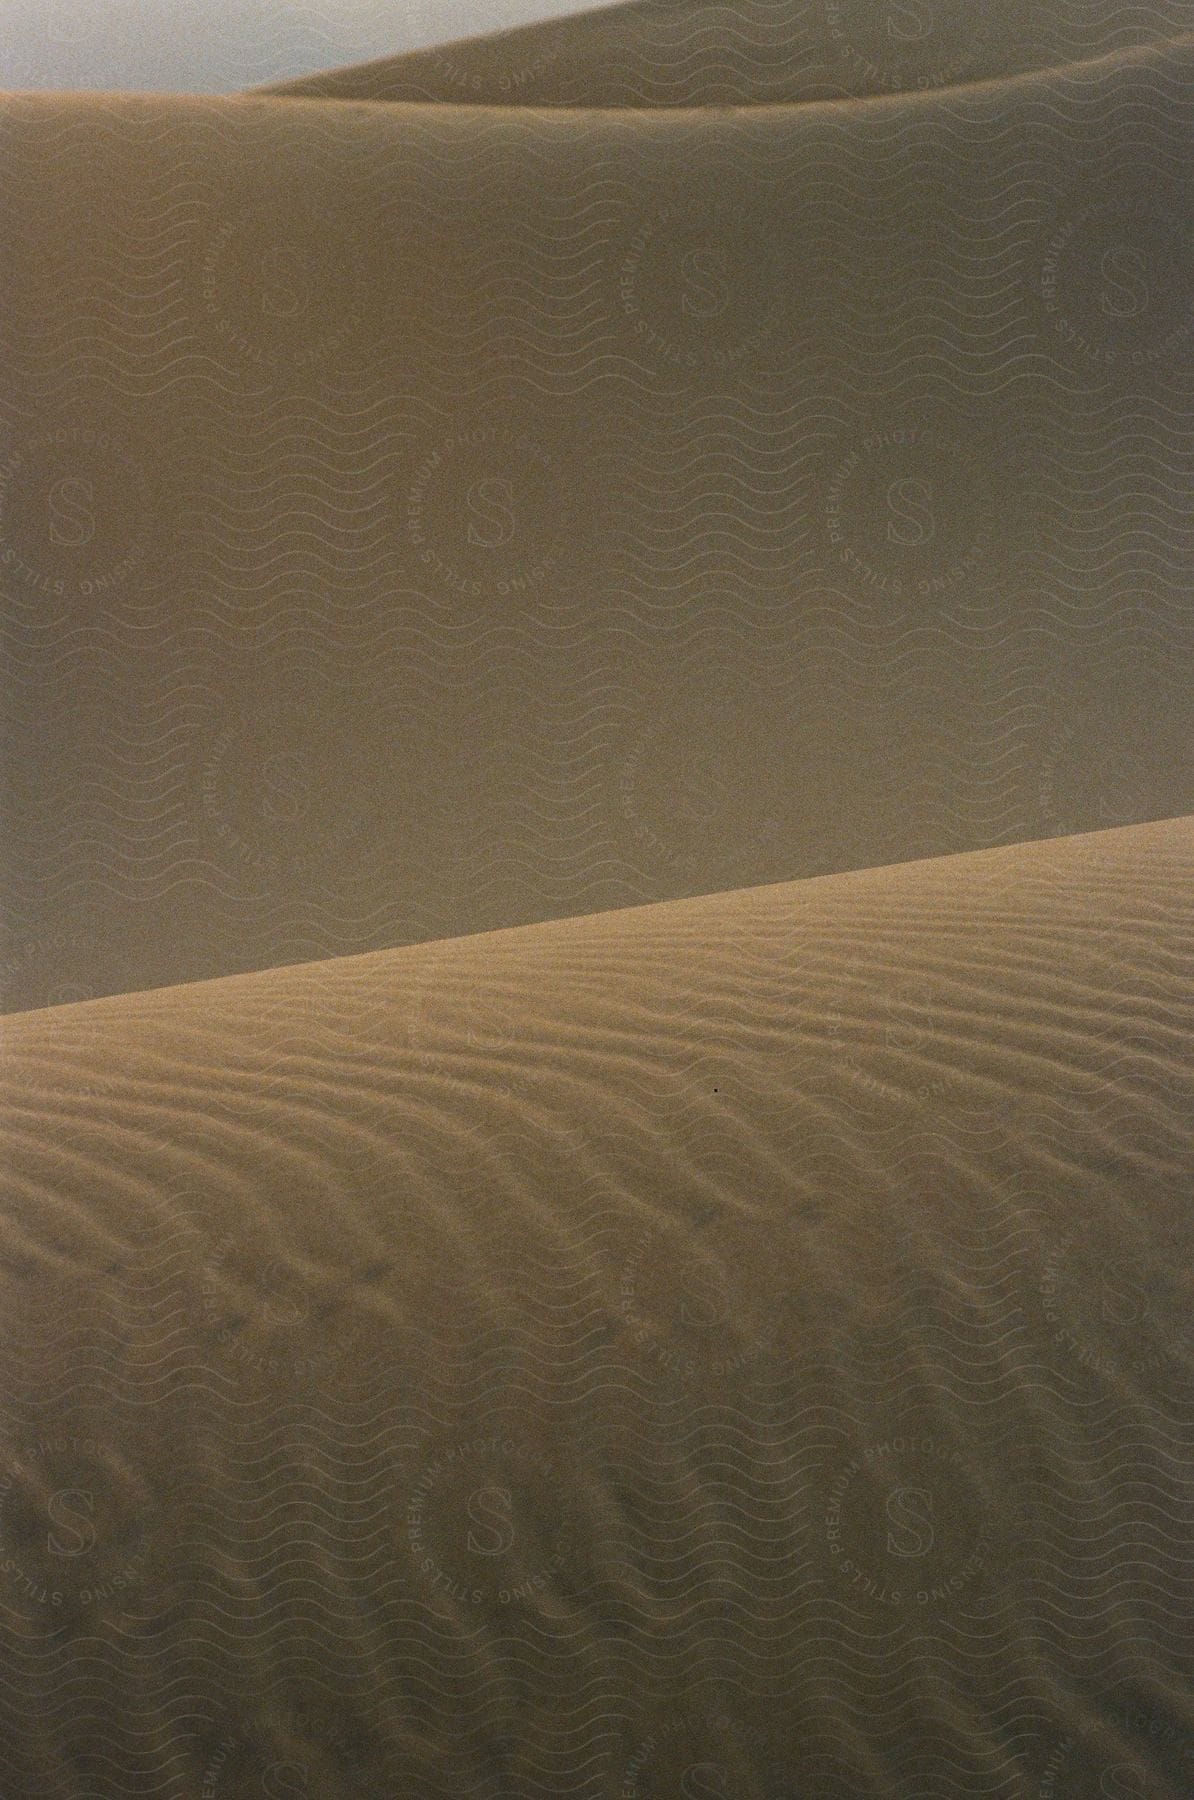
[(417, 520), (733, 52), (734, 1345)]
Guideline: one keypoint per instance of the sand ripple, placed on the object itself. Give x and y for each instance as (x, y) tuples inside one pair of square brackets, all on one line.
[(736, 1345)]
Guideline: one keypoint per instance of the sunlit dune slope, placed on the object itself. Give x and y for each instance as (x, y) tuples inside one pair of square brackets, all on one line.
[(741, 1340)]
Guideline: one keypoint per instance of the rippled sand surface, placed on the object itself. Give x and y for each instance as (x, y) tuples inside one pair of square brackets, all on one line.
[(738, 1345), (521, 1275)]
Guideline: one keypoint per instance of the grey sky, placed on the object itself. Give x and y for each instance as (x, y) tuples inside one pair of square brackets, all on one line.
[(217, 46)]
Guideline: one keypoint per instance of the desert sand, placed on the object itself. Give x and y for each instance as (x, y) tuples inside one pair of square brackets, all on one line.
[(739, 1345), (748, 52), (596, 915), (423, 513)]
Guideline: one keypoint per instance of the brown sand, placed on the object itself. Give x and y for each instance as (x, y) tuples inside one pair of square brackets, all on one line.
[(417, 519), (747, 52), (735, 1346)]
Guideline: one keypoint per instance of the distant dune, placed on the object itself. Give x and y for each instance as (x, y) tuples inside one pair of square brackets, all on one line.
[(742, 1342), (216, 46), (732, 444)]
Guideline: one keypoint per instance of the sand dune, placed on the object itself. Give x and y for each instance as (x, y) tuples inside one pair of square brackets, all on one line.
[(650, 1327), (422, 519), (738, 1345), (752, 52)]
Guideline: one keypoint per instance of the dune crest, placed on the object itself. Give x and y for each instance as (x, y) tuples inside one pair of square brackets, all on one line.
[(597, 1080), (423, 519), (748, 52), (740, 1340)]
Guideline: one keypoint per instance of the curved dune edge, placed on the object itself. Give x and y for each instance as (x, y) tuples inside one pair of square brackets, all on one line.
[(373, 84), (1005, 863), (742, 1340), (664, 53), (376, 84), (436, 518)]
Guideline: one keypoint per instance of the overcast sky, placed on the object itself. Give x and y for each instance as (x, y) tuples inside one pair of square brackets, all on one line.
[(218, 46)]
